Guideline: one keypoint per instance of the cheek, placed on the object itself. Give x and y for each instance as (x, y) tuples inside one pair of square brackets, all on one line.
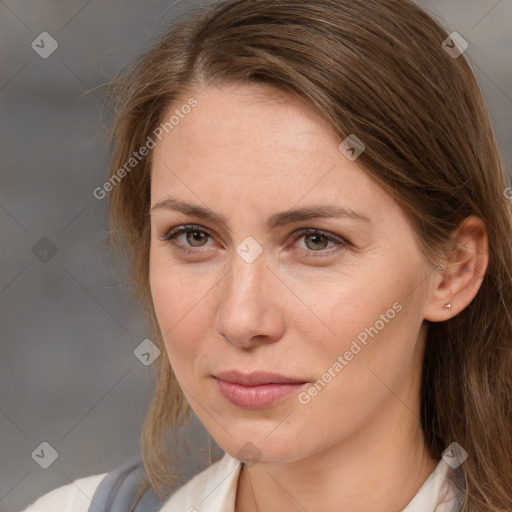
[(180, 299), (185, 299), (368, 357), (372, 318), (343, 305), (376, 323)]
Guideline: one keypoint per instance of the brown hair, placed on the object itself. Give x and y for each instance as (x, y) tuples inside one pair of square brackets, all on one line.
[(377, 69)]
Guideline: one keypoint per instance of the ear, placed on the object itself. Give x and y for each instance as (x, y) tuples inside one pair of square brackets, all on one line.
[(460, 277)]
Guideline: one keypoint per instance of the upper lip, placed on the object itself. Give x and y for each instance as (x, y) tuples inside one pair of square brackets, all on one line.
[(256, 378)]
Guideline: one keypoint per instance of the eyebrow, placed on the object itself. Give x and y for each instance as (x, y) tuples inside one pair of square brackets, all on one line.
[(278, 219)]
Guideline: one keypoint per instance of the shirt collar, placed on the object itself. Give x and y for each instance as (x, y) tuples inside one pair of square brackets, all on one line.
[(437, 494), (214, 490)]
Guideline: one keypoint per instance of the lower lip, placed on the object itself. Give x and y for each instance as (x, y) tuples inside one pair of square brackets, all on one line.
[(256, 397)]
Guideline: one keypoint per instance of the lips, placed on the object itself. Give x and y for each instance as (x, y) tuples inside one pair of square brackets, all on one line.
[(256, 378), (256, 390)]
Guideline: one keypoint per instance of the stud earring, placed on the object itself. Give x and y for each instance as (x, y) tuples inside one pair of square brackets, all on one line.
[(448, 306)]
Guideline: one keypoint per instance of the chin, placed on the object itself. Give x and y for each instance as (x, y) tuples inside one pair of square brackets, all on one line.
[(259, 449)]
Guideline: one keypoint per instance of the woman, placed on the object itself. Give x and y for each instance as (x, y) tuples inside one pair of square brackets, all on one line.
[(313, 206)]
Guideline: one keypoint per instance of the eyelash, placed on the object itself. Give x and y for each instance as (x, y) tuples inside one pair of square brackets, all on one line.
[(174, 232)]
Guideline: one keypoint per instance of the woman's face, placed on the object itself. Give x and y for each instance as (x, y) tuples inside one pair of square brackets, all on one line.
[(340, 312)]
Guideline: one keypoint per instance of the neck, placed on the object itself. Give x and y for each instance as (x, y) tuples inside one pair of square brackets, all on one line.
[(380, 467)]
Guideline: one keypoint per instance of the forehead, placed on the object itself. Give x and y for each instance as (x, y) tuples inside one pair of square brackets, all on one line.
[(255, 145), (252, 118)]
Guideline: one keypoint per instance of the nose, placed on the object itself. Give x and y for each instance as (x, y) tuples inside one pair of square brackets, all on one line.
[(250, 304)]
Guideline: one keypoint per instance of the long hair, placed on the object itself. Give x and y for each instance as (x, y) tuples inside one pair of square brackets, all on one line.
[(377, 69)]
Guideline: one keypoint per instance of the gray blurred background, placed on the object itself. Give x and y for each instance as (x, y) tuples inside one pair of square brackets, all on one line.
[(68, 373)]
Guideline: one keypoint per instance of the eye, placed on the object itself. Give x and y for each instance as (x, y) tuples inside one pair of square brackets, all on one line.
[(315, 240), (195, 236)]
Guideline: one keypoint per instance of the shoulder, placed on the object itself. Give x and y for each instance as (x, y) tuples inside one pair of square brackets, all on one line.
[(73, 497)]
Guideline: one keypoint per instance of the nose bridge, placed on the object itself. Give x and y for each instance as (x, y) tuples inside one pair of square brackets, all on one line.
[(248, 270), (246, 309), (243, 287)]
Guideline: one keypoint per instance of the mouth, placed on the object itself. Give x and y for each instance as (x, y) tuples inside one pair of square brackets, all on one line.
[(256, 378), (256, 390)]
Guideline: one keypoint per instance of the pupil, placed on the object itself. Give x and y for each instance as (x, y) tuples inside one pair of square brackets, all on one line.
[(195, 234), (318, 237)]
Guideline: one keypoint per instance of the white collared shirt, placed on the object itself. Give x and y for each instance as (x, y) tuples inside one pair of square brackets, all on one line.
[(214, 490)]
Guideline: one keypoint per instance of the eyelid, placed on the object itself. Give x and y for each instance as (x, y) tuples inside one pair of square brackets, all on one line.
[(312, 231), (183, 228)]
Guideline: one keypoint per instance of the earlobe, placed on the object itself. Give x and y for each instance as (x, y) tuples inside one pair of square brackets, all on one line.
[(456, 284)]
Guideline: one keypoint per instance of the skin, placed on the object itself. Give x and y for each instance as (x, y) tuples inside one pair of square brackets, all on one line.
[(247, 153)]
